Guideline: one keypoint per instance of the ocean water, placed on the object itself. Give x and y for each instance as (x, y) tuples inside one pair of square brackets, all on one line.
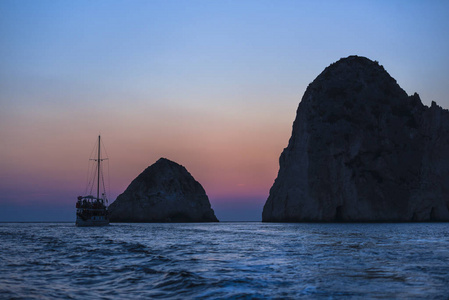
[(224, 260)]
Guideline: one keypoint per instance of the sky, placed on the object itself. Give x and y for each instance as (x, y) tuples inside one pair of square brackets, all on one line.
[(211, 85)]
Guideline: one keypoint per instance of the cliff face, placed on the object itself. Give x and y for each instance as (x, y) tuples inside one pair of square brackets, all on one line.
[(164, 192), (362, 150)]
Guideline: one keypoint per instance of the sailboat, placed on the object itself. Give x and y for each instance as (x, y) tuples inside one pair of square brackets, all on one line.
[(91, 210)]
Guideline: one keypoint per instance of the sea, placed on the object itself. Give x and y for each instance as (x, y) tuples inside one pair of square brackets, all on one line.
[(225, 261)]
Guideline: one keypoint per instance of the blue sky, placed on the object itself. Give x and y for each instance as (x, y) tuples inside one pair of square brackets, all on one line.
[(212, 85)]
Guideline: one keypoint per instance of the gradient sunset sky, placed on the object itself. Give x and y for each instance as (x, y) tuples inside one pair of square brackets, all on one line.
[(211, 85)]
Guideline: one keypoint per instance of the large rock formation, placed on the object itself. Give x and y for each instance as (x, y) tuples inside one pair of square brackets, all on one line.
[(164, 192), (362, 150)]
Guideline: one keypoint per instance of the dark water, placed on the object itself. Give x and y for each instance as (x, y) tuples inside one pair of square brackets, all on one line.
[(225, 260)]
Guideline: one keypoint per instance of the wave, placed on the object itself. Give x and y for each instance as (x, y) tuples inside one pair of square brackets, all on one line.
[(224, 261)]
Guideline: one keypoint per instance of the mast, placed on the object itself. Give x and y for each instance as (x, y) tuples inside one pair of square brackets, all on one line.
[(98, 170)]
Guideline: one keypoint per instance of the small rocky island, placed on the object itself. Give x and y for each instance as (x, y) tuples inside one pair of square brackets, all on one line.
[(164, 192), (362, 150)]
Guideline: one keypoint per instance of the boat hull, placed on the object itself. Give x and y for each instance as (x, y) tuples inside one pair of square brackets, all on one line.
[(91, 222)]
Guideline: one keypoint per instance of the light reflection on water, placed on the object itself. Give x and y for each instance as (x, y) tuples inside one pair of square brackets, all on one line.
[(225, 260)]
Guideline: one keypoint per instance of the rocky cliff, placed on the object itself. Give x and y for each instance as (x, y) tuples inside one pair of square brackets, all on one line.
[(362, 150), (164, 192)]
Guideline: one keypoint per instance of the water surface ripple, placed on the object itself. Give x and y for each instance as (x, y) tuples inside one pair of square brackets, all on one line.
[(224, 260)]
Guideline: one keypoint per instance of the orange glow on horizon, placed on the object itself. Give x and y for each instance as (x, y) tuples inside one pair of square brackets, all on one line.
[(230, 155)]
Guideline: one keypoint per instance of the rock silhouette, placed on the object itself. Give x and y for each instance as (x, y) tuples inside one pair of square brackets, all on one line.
[(362, 150), (164, 192)]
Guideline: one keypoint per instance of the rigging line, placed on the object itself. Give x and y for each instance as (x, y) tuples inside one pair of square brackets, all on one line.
[(104, 149), (93, 151), (89, 170), (108, 180), (86, 187), (104, 187), (92, 178)]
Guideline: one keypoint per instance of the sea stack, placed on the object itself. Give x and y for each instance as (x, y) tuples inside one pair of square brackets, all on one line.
[(164, 192), (362, 150)]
